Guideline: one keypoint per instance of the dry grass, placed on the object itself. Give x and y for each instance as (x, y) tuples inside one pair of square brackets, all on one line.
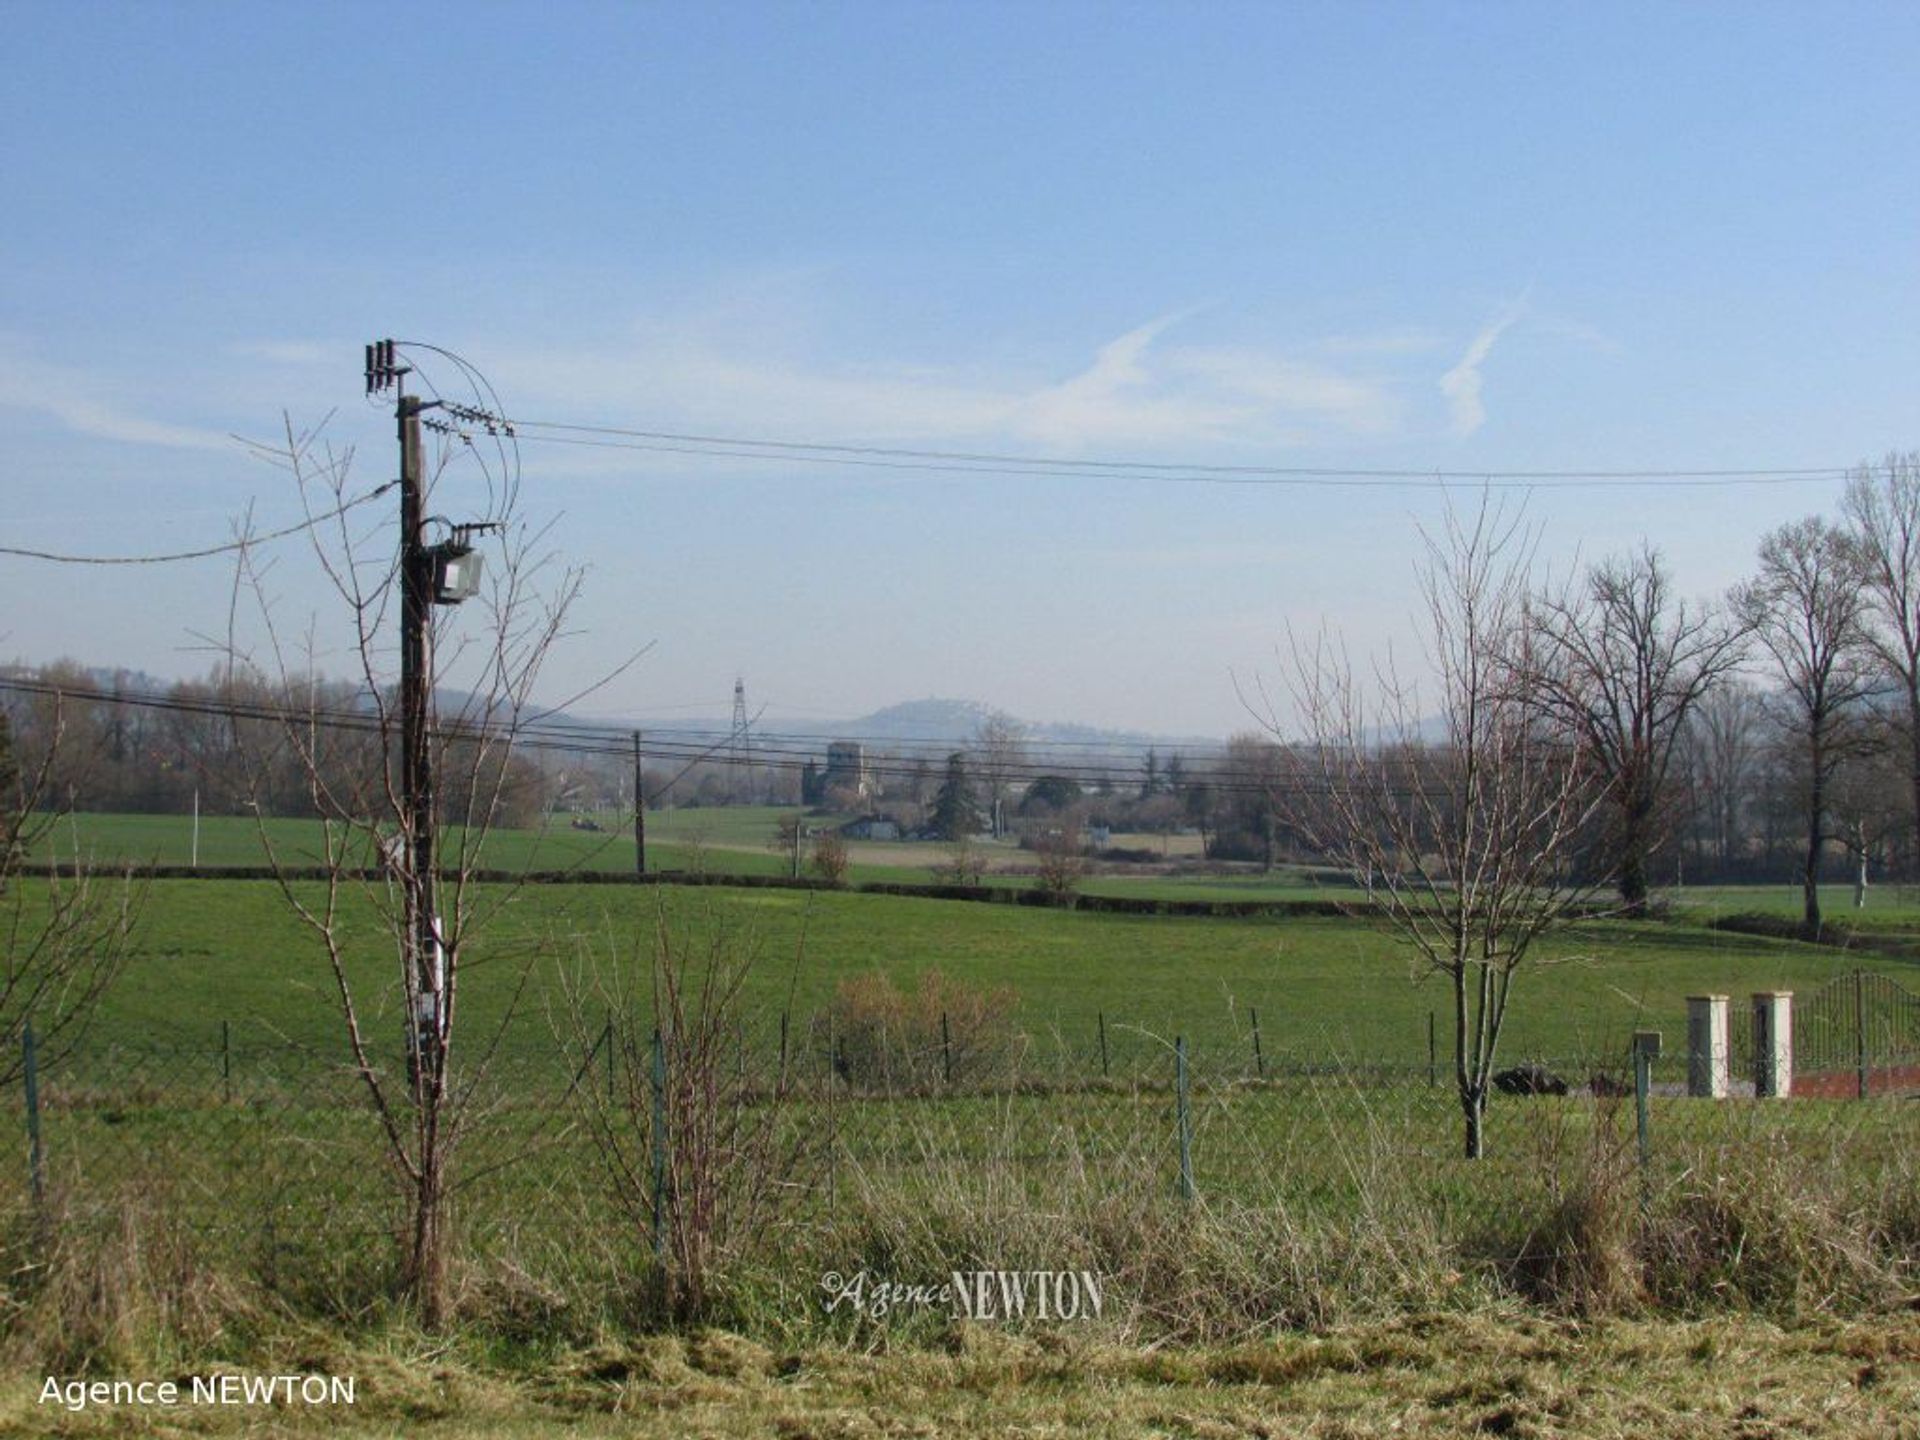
[(1419, 1376)]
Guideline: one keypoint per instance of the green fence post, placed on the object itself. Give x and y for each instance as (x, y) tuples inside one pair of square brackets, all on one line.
[(36, 1159), (1646, 1045), (1860, 1029), (1184, 1116), (659, 1151)]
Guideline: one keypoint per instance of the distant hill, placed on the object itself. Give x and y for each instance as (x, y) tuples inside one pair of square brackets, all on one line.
[(932, 721)]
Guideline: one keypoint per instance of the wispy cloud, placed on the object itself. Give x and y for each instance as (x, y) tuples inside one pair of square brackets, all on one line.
[(1138, 391), (79, 402), (1463, 383), (1126, 397)]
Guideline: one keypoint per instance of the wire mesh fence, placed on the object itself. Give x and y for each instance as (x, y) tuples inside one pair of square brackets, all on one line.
[(596, 1147)]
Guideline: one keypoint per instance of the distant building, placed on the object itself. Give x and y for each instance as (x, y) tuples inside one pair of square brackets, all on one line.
[(847, 769), (871, 827)]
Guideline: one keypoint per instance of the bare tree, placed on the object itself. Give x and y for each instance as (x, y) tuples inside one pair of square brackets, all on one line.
[(1882, 508), (64, 939), (1622, 663), (1061, 853), (1869, 801), (1465, 838), (495, 647), (830, 861), (1000, 742), (1807, 607), (1724, 743), (717, 1176)]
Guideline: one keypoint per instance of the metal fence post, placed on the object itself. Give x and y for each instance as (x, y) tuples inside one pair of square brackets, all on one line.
[(1646, 1045), (36, 1159), (1183, 1116), (659, 1150), (1860, 1029), (1259, 1057)]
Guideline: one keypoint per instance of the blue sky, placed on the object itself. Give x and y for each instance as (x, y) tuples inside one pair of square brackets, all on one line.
[(1431, 237)]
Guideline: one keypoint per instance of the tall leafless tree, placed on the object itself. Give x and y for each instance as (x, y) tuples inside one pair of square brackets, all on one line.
[(1807, 608), (1882, 508), (1466, 837), (1622, 662), (495, 645), (1000, 750), (1724, 744)]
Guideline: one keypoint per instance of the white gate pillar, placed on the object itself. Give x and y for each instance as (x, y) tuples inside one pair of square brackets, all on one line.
[(1773, 1044), (1708, 1049)]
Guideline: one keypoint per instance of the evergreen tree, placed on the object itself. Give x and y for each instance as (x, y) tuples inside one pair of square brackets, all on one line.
[(956, 813), (1150, 781)]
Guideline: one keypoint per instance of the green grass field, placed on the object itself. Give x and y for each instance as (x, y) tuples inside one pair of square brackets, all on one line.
[(736, 840), (214, 950)]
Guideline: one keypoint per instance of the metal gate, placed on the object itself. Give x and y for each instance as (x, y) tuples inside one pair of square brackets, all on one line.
[(1859, 1034)]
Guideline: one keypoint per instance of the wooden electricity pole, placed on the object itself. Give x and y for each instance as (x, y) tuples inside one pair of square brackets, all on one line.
[(421, 943), (416, 764)]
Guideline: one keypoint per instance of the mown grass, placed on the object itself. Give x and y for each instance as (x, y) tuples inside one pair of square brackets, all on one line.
[(729, 840), (211, 950), (737, 840)]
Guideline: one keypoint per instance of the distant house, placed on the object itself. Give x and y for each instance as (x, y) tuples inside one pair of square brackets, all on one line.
[(871, 827)]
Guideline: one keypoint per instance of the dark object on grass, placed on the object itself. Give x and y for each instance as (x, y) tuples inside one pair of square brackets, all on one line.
[(1604, 1085), (1529, 1080)]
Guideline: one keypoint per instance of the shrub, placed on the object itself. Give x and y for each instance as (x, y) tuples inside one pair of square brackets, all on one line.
[(830, 861), (1063, 861), (941, 1032), (964, 865)]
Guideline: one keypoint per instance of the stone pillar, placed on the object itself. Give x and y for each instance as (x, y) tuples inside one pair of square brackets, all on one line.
[(1773, 1044), (1708, 1047)]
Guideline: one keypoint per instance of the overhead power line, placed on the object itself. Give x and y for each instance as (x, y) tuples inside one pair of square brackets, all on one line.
[(1221, 775), (964, 462), (243, 543)]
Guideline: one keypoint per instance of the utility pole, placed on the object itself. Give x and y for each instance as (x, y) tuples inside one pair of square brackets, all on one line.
[(422, 952), (639, 811), (416, 765)]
